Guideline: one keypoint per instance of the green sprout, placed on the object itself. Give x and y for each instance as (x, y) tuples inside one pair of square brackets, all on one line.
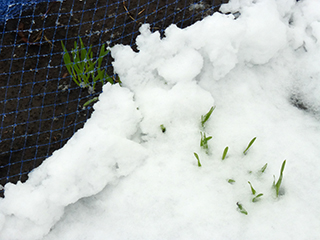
[(249, 145), (205, 118), (231, 181), (204, 142), (163, 129), (263, 168), (224, 154), (197, 157), (84, 71), (277, 185), (90, 101), (257, 198), (241, 209), (252, 189)]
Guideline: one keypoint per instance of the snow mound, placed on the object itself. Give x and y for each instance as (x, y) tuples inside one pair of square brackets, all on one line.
[(131, 172)]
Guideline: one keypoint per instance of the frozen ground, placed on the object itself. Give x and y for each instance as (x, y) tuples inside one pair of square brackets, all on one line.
[(124, 177)]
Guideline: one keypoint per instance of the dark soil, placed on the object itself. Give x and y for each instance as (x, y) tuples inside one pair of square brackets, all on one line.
[(40, 105)]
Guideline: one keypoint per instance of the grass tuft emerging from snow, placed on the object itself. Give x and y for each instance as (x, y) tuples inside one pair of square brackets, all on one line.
[(277, 185), (225, 152), (249, 145)]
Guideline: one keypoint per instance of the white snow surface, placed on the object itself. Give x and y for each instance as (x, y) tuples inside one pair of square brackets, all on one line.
[(122, 177)]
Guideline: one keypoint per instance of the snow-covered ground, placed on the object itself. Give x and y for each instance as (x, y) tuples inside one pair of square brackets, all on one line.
[(123, 176)]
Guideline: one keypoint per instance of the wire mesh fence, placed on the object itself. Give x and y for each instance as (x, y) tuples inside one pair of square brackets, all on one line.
[(40, 105)]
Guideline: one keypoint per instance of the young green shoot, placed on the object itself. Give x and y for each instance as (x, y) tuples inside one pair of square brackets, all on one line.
[(163, 129), (197, 157), (205, 118), (263, 168), (257, 198), (249, 145), (204, 142), (252, 189), (231, 181), (225, 151), (241, 209), (90, 101), (278, 184), (84, 70)]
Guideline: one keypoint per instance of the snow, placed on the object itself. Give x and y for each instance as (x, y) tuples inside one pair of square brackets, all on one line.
[(122, 177)]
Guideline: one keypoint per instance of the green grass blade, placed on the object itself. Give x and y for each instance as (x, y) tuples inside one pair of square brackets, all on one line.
[(278, 184), (204, 142), (77, 70), (89, 57), (77, 67), (78, 64), (63, 47), (65, 53), (224, 154), (83, 51), (85, 79), (90, 101), (197, 157), (203, 135), (204, 139), (249, 145), (263, 168), (103, 53), (109, 79), (69, 64), (66, 57), (75, 46), (205, 118), (90, 69), (101, 73), (83, 54), (252, 189), (78, 60), (241, 208), (231, 181), (100, 76), (100, 61), (257, 198), (90, 53)]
